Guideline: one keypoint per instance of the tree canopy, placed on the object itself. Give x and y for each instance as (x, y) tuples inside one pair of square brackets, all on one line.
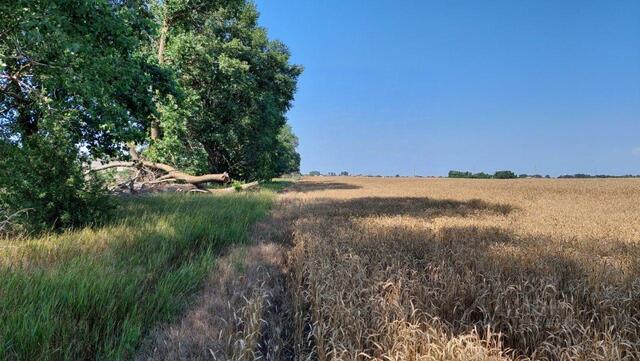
[(237, 86), (74, 69), (195, 84)]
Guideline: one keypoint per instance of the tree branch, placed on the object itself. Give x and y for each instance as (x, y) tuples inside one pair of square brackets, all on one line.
[(171, 172)]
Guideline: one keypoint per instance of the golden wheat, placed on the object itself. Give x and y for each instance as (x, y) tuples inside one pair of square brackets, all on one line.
[(351, 268), (440, 269)]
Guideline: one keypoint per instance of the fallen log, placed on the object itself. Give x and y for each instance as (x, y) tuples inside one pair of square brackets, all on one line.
[(171, 172)]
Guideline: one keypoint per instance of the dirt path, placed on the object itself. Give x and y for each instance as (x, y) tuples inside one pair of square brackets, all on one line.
[(243, 310)]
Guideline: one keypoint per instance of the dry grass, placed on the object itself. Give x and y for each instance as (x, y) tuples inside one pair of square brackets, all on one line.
[(228, 319), (440, 269), (243, 311)]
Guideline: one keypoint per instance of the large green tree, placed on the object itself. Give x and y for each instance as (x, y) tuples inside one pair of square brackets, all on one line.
[(236, 88), (73, 84), (74, 68), (195, 84)]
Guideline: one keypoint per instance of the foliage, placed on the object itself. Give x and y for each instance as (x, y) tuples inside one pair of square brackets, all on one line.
[(497, 175), (72, 84), (237, 85), (45, 177), (504, 174), (176, 147), (344, 173), (93, 293), (459, 174), (287, 157), (73, 70), (85, 79), (314, 173)]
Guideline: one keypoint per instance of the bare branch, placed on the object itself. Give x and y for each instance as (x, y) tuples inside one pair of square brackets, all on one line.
[(171, 172)]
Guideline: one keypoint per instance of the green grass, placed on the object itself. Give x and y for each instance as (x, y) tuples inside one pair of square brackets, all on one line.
[(94, 293)]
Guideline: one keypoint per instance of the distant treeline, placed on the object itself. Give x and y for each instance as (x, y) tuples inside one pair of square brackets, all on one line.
[(507, 174), (580, 175), (533, 176), (344, 173), (501, 174)]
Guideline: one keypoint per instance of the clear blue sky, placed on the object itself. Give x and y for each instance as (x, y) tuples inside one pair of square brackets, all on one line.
[(548, 87)]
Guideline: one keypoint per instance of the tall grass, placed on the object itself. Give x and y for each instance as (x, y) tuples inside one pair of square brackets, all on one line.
[(94, 292)]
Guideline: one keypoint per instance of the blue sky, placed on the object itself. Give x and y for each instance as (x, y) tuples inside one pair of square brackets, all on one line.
[(534, 86)]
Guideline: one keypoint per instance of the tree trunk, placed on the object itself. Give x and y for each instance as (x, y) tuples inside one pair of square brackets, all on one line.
[(155, 129), (133, 152), (172, 173), (164, 29)]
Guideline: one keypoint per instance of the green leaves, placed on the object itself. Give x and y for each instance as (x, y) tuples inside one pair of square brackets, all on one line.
[(76, 67), (44, 175), (73, 78), (80, 79), (242, 83)]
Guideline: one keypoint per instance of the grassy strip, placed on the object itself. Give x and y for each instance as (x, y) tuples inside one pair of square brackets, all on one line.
[(93, 293)]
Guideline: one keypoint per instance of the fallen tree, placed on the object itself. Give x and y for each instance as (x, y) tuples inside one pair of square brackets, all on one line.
[(7, 220), (168, 173), (172, 174)]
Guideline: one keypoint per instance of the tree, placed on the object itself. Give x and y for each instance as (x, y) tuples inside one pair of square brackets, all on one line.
[(73, 84), (481, 175), (459, 174), (504, 174), (344, 173), (314, 173), (237, 85), (287, 157), (178, 87), (74, 69)]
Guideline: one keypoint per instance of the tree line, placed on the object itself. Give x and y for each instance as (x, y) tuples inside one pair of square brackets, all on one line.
[(582, 175), (501, 174), (511, 175), (193, 84)]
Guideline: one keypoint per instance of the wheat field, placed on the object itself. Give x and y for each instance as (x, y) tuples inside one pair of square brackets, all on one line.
[(447, 269), (394, 269)]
